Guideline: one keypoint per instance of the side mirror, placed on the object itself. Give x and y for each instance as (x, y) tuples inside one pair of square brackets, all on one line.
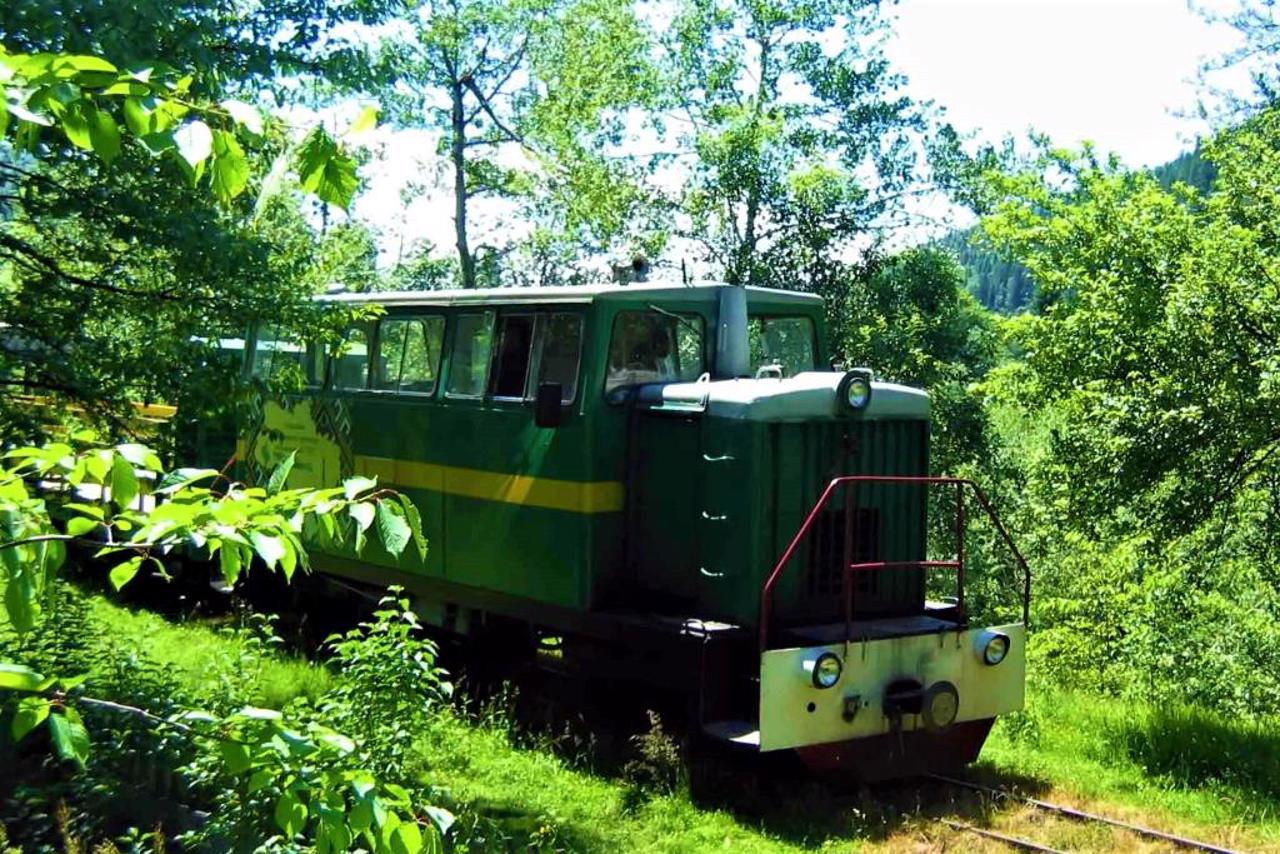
[(548, 411)]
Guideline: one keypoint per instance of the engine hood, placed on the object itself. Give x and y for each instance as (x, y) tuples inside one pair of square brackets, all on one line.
[(808, 396)]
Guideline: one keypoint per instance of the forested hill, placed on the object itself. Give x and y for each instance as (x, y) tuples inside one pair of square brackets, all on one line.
[(1006, 286)]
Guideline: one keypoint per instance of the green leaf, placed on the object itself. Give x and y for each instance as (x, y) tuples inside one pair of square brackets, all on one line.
[(281, 473), (124, 483), (158, 143), (90, 510), (361, 816), (399, 794), (442, 818), (258, 714), (326, 171), (272, 185), (179, 478), (19, 599), (123, 573), (82, 62), (98, 464), (229, 563), (127, 87), (75, 125), (141, 456), (235, 756), (104, 134), (81, 526), (245, 115), (362, 514), (414, 519), (70, 738), (353, 486), (32, 712), (290, 814), (297, 743), (333, 834), (288, 558), (337, 741), (194, 141), (268, 548), (230, 170), (260, 779), (367, 120), (392, 528), (406, 838), (137, 116), (16, 677), (23, 114)]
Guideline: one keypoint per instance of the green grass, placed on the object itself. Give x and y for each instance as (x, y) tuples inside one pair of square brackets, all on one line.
[(1183, 763), (526, 789), (1179, 769), (192, 653)]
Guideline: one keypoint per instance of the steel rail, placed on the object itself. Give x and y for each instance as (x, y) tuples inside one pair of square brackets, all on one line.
[(1012, 841), (1081, 815)]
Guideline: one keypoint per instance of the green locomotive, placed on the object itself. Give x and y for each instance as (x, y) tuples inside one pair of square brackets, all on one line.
[(670, 480)]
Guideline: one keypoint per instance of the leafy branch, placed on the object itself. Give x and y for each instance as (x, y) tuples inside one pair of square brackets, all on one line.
[(98, 106)]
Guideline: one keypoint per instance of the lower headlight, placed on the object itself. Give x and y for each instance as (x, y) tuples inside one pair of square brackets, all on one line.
[(941, 706), (825, 670), (994, 646)]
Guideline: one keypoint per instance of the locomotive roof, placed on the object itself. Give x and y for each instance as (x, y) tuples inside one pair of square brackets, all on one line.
[(567, 294)]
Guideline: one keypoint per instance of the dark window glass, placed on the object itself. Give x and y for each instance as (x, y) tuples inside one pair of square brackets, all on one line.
[(511, 360), (782, 345), (285, 361), (561, 353), (652, 346), (409, 354), (350, 365), (469, 359)]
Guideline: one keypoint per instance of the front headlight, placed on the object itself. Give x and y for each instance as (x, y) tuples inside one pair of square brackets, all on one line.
[(855, 389), (993, 646), (941, 706), (824, 670)]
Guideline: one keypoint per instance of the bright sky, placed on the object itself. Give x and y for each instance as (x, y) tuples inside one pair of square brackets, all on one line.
[(1115, 72), (1111, 71)]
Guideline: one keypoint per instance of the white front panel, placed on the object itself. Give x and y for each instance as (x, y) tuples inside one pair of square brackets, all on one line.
[(794, 713)]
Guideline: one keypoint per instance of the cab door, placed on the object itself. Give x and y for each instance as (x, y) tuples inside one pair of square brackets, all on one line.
[(518, 498)]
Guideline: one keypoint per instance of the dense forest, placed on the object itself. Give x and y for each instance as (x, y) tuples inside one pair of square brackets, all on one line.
[(1101, 351), (1003, 285)]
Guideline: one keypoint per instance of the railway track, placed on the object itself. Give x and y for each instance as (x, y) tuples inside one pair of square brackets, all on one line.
[(1069, 813)]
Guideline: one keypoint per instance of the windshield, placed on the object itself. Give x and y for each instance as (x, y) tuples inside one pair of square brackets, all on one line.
[(780, 345), (654, 346)]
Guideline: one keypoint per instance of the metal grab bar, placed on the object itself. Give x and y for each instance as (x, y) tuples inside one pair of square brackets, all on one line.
[(849, 483)]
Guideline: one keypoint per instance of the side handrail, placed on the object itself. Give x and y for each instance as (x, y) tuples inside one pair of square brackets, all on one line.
[(849, 483)]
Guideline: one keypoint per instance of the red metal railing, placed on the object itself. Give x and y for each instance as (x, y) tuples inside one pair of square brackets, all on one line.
[(850, 483)]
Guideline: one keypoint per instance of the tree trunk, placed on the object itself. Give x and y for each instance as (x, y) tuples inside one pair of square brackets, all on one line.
[(458, 128)]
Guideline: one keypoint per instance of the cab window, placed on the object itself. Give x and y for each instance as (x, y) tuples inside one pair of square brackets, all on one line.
[(510, 371), (279, 359), (781, 344), (409, 354), (653, 346), (469, 358), (350, 365), (561, 353)]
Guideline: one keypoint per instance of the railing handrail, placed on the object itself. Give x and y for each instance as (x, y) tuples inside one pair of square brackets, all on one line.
[(766, 592)]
